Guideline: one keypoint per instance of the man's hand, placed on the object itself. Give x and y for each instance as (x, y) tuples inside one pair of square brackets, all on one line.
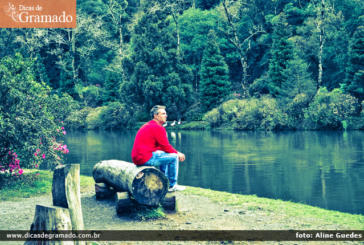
[(181, 156)]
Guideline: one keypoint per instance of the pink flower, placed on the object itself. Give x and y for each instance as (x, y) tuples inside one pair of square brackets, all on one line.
[(64, 132), (20, 172), (38, 150), (36, 174), (35, 154), (62, 128), (43, 156), (36, 165)]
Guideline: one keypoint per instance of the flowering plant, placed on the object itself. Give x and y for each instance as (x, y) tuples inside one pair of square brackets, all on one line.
[(51, 154), (9, 164)]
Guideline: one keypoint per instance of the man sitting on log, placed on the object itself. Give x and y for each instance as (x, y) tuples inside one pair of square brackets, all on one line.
[(152, 148)]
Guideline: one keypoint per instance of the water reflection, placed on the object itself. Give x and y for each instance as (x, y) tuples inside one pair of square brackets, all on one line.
[(323, 169)]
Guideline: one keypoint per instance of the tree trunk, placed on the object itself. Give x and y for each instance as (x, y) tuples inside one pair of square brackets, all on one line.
[(66, 192), (235, 40), (322, 43), (147, 185), (50, 219), (175, 19)]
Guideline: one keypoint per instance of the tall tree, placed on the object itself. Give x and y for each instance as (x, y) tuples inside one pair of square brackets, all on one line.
[(298, 79), (241, 30), (215, 84), (155, 74), (355, 69), (281, 53), (195, 25)]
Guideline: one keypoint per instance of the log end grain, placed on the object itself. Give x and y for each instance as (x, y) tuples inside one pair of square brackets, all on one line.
[(149, 186)]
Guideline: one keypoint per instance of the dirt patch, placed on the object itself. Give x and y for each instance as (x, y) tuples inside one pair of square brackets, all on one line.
[(194, 213)]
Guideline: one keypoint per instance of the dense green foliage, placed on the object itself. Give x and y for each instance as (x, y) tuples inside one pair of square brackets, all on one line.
[(265, 65), (215, 85), (30, 119)]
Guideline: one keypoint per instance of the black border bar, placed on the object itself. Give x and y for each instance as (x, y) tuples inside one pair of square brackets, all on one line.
[(184, 235)]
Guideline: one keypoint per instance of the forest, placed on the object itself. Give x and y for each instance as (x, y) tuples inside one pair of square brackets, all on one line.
[(242, 64)]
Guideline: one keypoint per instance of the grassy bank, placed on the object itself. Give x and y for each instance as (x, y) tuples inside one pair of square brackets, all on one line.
[(37, 182), (283, 208), (32, 183)]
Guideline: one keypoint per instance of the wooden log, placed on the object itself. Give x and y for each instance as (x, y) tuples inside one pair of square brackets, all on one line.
[(66, 192), (147, 185), (50, 218), (169, 202), (124, 203), (104, 191)]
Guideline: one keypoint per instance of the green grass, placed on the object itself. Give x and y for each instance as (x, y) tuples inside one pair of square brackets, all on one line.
[(143, 213), (33, 183), (298, 210)]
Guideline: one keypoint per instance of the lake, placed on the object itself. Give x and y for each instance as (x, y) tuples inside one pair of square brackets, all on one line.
[(324, 169)]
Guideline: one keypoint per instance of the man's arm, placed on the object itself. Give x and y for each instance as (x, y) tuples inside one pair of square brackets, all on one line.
[(165, 146), (160, 135)]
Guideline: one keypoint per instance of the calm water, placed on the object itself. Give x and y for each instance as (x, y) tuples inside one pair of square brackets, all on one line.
[(324, 169)]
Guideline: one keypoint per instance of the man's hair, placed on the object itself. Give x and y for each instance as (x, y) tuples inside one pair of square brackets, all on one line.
[(155, 110)]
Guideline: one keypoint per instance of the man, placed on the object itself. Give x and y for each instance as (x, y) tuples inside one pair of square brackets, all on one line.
[(152, 148)]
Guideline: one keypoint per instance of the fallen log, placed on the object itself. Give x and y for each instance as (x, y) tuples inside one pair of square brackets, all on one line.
[(147, 185)]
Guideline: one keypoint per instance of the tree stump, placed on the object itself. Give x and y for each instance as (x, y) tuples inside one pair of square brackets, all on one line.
[(66, 192), (169, 202), (123, 203), (50, 218), (104, 191), (147, 185)]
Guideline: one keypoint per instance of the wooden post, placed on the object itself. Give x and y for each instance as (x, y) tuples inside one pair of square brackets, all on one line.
[(66, 192), (147, 185), (50, 218)]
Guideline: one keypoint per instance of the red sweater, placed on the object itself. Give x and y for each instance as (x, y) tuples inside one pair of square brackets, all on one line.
[(149, 138)]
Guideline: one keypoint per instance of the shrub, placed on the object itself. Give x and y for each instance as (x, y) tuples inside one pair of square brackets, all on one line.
[(262, 114), (29, 130), (213, 118), (117, 116), (91, 95), (194, 113), (296, 110), (93, 119), (77, 119), (330, 109), (248, 114), (272, 117), (62, 106)]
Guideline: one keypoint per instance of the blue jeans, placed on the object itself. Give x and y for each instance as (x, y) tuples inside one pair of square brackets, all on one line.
[(167, 163)]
